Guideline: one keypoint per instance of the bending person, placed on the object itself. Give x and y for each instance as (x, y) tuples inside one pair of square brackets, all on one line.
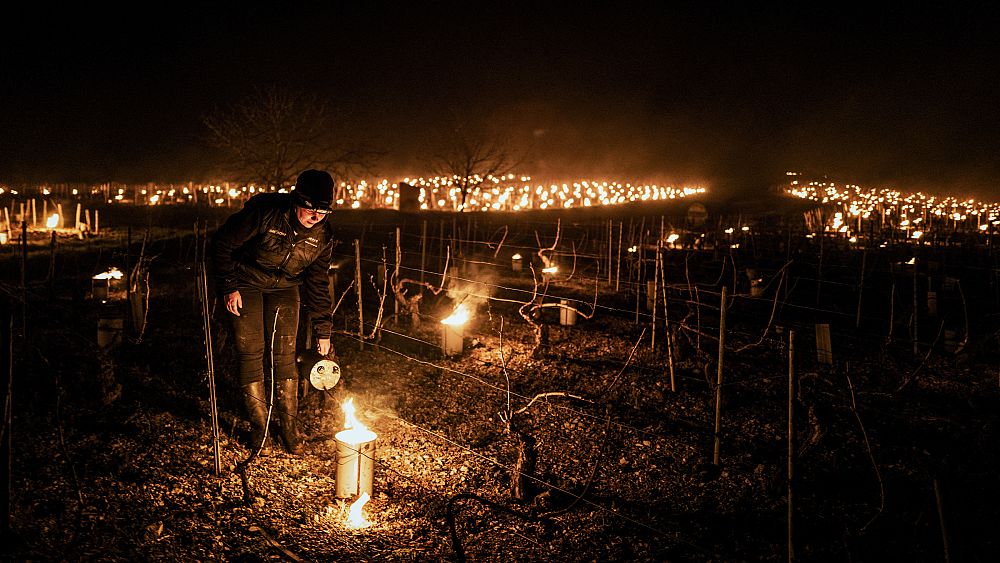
[(277, 245)]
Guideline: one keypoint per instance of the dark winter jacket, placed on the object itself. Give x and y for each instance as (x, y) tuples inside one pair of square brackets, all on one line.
[(264, 246)]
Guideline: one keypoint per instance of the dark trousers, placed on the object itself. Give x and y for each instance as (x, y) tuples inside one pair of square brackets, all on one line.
[(265, 333)]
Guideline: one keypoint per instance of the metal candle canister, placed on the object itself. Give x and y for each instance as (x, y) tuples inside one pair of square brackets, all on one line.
[(355, 462), (107, 285), (451, 339), (567, 314), (99, 288), (515, 262), (452, 331)]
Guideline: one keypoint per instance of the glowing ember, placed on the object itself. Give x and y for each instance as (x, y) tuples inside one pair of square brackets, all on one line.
[(355, 516), (355, 432), (53, 221), (459, 316), (112, 274)]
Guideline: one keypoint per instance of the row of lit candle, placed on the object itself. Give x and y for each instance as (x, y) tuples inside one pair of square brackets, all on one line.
[(503, 193), (907, 209)]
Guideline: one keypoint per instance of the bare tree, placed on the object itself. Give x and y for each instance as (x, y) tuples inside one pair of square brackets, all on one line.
[(472, 157), (274, 133)]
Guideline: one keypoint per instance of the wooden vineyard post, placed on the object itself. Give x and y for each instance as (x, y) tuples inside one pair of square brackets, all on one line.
[(357, 290), (718, 377), (666, 324), (395, 278), (128, 281), (198, 263), (656, 279), (861, 289), (24, 256), (440, 243), (641, 270), (789, 479), (824, 344), (455, 237), (24, 287), (618, 259), (640, 280), (819, 276), (611, 244), (51, 278), (468, 238), (916, 302), (197, 258), (423, 252), (7, 365)]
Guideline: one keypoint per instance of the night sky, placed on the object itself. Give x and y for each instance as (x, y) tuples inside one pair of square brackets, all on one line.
[(634, 91)]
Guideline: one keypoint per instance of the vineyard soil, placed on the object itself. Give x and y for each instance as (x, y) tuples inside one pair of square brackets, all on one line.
[(894, 452)]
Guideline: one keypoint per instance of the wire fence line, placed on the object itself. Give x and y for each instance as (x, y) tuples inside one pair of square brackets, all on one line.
[(537, 478), (880, 275), (800, 308)]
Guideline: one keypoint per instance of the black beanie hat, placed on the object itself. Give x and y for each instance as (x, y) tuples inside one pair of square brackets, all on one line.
[(314, 189)]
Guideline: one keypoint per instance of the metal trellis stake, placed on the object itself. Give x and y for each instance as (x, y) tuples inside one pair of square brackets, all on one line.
[(357, 289), (207, 321), (718, 377), (7, 365), (791, 443)]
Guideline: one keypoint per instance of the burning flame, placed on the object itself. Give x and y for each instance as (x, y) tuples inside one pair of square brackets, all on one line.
[(355, 432), (355, 517), (516, 257), (112, 274), (53, 221), (459, 316), (550, 270)]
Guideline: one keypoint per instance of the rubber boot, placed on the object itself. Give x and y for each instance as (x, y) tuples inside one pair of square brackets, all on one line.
[(255, 401), (288, 412)]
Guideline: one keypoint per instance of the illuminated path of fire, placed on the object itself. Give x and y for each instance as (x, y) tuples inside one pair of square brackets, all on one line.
[(516, 193), (506, 193)]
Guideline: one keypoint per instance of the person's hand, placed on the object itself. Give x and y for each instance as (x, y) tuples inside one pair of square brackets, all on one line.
[(323, 346), (234, 302)]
